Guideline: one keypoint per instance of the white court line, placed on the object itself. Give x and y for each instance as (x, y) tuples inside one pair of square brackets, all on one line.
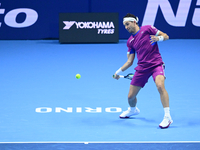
[(87, 142)]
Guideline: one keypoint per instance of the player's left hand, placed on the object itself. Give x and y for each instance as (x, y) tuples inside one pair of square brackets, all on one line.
[(153, 39)]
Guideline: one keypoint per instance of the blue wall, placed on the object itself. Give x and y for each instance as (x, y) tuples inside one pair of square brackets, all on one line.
[(178, 18)]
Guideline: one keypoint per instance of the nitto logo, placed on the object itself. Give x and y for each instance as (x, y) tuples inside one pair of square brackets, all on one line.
[(10, 17), (103, 27), (178, 20)]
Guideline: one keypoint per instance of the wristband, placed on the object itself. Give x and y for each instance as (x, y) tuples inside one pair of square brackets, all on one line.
[(161, 38), (118, 71)]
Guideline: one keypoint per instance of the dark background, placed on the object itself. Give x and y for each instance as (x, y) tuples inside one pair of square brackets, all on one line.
[(47, 25)]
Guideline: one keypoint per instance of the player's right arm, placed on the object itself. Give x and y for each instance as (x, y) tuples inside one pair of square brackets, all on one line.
[(130, 56), (128, 63)]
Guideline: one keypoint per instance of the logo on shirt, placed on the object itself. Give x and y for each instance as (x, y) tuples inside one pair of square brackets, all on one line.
[(131, 40)]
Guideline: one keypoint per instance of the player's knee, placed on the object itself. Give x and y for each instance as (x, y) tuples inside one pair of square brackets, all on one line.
[(160, 87), (130, 96), (160, 83)]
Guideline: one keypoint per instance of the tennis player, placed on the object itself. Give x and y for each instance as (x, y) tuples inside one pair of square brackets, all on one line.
[(143, 42)]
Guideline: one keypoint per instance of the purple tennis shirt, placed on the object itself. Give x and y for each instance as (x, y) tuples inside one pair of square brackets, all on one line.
[(148, 54)]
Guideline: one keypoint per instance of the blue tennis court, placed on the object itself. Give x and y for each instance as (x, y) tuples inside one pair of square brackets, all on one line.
[(44, 105)]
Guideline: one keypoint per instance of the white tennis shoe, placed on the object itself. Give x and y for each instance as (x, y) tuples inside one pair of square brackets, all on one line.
[(166, 122), (129, 112)]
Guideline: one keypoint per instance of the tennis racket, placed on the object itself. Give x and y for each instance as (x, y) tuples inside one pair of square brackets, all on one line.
[(128, 76)]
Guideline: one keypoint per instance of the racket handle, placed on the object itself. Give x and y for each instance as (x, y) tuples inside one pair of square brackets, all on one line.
[(119, 76)]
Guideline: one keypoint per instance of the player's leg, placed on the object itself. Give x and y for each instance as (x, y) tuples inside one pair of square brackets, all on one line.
[(132, 100), (159, 81), (133, 91), (139, 80)]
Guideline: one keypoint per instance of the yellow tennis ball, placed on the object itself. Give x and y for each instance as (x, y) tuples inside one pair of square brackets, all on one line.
[(78, 76)]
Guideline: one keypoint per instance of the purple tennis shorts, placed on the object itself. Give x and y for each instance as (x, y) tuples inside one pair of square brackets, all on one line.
[(140, 78)]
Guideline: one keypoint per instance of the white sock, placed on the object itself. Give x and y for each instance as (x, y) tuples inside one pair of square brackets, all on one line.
[(132, 108), (167, 111)]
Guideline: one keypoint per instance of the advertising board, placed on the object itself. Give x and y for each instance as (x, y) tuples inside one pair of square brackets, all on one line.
[(88, 28)]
